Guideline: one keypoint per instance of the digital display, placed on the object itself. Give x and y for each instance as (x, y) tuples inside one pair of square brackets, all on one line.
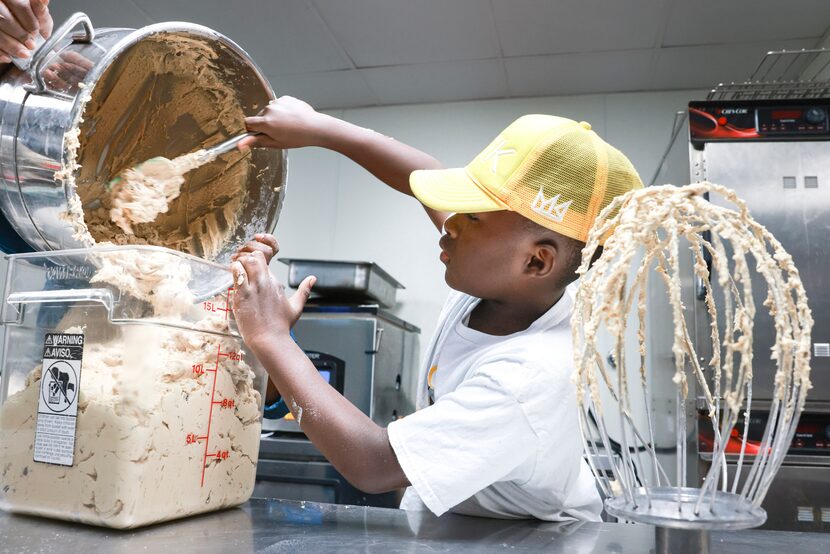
[(786, 114), (325, 374), (751, 120)]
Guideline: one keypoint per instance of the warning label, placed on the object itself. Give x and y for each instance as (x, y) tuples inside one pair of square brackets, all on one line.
[(58, 404)]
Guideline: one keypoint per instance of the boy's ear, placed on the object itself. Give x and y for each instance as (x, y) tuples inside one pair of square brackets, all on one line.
[(543, 259)]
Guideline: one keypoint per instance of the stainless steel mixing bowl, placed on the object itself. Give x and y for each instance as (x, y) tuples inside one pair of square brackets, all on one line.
[(36, 113)]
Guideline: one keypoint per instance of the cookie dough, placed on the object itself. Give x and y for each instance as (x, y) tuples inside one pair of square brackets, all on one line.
[(139, 401), (143, 192), (165, 97), (150, 415), (653, 221), (157, 278)]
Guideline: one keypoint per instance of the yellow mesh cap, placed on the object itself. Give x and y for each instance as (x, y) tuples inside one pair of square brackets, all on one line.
[(552, 170)]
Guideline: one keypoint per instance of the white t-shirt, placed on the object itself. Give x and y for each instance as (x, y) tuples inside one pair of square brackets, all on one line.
[(502, 437)]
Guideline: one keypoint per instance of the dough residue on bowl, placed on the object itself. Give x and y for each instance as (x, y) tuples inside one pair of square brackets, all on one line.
[(165, 97)]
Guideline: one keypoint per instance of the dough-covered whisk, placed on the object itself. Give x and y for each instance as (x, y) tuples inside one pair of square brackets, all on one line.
[(648, 231)]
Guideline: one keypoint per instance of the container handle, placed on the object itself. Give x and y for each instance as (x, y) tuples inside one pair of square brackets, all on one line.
[(103, 296), (39, 57)]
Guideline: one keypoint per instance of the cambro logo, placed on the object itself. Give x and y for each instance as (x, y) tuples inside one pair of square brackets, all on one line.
[(734, 111)]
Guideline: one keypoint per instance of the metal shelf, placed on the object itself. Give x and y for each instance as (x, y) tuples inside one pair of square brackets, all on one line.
[(781, 74)]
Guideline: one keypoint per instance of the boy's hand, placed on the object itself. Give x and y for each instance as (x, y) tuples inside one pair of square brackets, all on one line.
[(265, 243), (262, 309), (286, 123)]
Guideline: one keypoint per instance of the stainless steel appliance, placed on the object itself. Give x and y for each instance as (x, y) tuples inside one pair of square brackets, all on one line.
[(368, 355), (360, 280), (769, 140)]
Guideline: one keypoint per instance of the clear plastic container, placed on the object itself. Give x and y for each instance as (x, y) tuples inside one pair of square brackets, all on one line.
[(167, 402)]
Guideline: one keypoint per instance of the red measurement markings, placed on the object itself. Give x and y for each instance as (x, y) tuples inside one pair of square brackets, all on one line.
[(226, 403), (210, 414), (223, 403), (215, 307), (199, 370), (193, 438), (219, 455), (229, 301)]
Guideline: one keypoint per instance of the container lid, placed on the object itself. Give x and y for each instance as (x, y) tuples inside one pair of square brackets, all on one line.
[(139, 284)]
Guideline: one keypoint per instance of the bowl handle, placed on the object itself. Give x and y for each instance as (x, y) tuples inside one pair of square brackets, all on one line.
[(39, 57)]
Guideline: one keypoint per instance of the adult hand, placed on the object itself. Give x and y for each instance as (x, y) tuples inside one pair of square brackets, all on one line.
[(20, 22), (261, 307), (69, 69), (286, 123)]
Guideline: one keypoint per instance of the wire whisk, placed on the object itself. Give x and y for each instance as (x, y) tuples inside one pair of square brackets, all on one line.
[(647, 232)]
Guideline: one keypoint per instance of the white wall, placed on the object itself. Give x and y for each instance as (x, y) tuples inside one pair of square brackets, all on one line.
[(336, 210)]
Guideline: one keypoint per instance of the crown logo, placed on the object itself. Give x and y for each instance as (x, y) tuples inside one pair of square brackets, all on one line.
[(550, 207)]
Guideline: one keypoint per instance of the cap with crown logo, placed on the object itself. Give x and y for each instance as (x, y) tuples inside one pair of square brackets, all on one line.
[(552, 170)]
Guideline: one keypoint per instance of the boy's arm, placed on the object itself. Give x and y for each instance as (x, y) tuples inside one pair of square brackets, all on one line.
[(291, 123), (357, 447)]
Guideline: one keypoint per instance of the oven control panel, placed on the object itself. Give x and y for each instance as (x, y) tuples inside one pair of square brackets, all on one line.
[(812, 434), (759, 120)]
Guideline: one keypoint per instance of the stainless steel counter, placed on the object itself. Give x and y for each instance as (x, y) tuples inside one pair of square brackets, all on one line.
[(274, 526)]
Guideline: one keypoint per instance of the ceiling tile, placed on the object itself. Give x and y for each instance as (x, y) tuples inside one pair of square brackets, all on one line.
[(417, 51), (437, 82), (283, 37), (529, 27), (326, 90), (102, 14), (380, 32), (719, 22), (706, 66), (579, 73)]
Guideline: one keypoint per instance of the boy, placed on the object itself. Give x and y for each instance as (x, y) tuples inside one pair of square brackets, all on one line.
[(496, 433)]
